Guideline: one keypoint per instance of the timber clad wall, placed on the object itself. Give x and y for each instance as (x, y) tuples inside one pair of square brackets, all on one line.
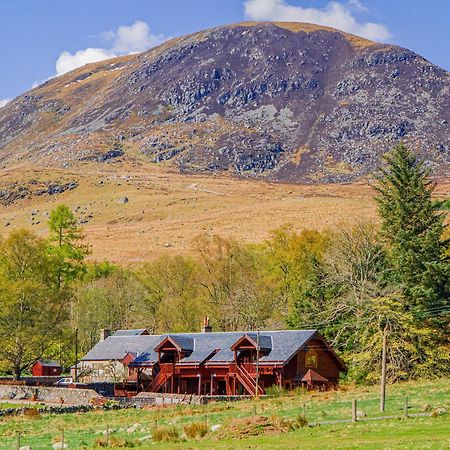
[(232, 363)]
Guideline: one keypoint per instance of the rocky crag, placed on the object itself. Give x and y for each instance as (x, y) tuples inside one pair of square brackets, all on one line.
[(284, 101)]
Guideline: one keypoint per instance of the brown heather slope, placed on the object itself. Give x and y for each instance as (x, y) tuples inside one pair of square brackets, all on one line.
[(167, 210), (282, 101)]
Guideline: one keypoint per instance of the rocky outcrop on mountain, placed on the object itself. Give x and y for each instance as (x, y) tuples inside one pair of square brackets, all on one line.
[(285, 101), (13, 192)]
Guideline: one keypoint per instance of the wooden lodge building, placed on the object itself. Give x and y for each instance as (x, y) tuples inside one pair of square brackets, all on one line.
[(209, 363)]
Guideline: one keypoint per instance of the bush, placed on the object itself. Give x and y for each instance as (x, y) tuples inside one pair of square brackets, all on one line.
[(196, 429), (301, 421), (114, 442), (165, 434), (31, 413), (275, 391)]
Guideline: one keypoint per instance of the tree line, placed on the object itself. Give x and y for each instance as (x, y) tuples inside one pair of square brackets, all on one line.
[(354, 285)]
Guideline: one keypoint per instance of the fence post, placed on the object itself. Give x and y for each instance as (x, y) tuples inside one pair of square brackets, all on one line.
[(107, 435), (354, 411), (18, 440), (62, 438), (406, 407)]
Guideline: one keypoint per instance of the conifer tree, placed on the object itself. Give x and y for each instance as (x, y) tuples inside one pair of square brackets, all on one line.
[(66, 245), (412, 228)]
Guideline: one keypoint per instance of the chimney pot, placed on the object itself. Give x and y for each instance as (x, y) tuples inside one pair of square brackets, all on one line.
[(104, 333), (206, 328)]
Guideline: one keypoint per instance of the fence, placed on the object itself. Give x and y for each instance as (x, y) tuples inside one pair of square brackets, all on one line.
[(137, 425)]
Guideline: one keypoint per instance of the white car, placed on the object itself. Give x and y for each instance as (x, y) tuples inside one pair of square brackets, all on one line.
[(64, 381)]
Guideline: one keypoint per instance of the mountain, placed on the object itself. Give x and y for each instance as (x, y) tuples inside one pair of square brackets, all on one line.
[(283, 101)]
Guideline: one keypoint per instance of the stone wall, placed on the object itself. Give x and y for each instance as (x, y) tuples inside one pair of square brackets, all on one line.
[(173, 399), (32, 381), (48, 394)]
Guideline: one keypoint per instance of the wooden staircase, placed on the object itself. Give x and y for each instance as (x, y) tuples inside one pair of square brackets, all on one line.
[(246, 379), (164, 375)]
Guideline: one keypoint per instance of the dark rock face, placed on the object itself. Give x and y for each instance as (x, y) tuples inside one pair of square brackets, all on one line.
[(14, 192), (254, 100)]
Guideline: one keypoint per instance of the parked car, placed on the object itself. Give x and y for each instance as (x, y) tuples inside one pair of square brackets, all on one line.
[(64, 382)]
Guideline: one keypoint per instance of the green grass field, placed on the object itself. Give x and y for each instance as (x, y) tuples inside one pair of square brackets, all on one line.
[(241, 423)]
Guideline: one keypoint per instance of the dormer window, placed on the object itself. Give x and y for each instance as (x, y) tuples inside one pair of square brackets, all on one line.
[(311, 358)]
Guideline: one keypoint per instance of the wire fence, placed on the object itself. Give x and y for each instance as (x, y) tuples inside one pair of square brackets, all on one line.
[(137, 427)]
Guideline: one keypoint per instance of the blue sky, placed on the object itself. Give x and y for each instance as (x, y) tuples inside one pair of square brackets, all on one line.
[(41, 38)]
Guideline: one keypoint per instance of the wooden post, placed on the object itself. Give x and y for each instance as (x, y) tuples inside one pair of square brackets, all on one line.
[(76, 355), (107, 435), (406, 407), (383, 373), (354, 411), (18, 440), (62, 438), (199, 384), (257, 365), (211, 390)]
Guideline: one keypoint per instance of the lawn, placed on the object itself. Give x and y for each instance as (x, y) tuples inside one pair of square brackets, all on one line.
[(81, 430)]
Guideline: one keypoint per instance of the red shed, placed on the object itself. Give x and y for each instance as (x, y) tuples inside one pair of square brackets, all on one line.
[(46, 368)]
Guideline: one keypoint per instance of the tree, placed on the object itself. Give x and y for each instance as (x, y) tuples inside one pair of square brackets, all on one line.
[(66, 246), (415, 349), (235, 284), (412, 228), (114, 301), (174, 301), (293, 262), (32, 309)]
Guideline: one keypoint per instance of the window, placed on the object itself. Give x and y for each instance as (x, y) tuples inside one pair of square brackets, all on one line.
[(311, 358)]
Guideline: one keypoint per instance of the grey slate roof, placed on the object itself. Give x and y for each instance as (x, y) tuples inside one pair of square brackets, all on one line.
[(48, 363), (137, 332), (276, 346), (116, 347), (186, 343), (265, 341)]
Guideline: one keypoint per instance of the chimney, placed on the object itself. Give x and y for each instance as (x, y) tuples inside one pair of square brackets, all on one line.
[(206, 328), (104, 333)]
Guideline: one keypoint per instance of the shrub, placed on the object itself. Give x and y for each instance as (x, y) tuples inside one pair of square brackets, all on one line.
[(301, 421), (165, 434), (275, 391), (196, 429), (31, 413), (114, 442)]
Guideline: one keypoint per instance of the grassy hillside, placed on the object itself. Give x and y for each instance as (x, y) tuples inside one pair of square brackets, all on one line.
[(166, 210), (256, 423)]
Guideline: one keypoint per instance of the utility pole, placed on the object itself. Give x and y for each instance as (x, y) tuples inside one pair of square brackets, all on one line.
[(383, 372), (76, 355), (257, 364)]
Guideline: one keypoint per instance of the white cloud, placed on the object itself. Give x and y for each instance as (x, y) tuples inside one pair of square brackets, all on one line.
[(125, 40), (135, 38), (4, 101), (334, 14), (68, 61)]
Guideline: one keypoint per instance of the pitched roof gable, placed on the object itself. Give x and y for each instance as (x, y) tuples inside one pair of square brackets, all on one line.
[(214, 348)]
